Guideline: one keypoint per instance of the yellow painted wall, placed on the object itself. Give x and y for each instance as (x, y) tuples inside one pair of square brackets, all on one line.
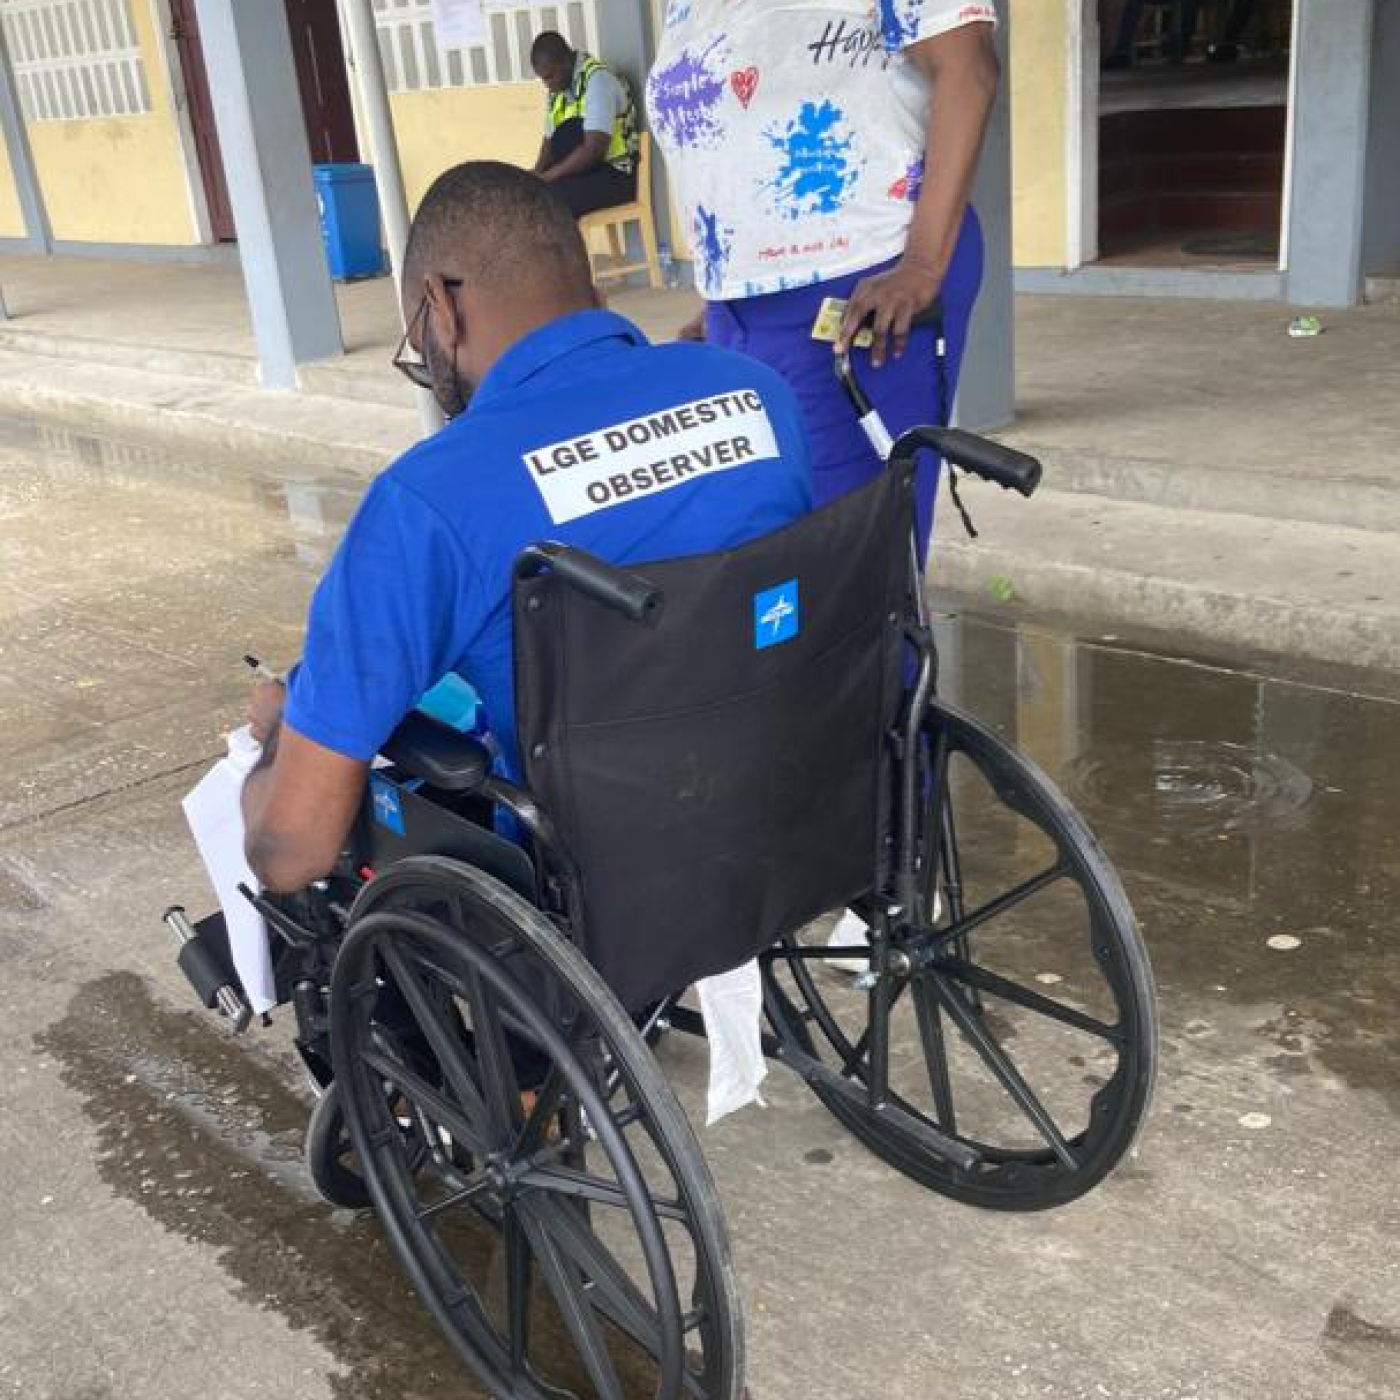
[(118, 179), (1039, 70), (11, 215), (441, 127)]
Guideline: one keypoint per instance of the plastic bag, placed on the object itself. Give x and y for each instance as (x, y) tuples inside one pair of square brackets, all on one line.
[(732, 1005)]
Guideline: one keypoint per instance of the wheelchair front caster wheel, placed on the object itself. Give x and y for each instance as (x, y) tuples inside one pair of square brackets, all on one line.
[(330, 1158)]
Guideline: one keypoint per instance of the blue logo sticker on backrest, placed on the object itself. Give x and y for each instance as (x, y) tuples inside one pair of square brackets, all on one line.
[(388, 808), (777, 615)]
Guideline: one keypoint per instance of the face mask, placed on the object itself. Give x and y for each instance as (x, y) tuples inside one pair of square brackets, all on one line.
[(452, 392)]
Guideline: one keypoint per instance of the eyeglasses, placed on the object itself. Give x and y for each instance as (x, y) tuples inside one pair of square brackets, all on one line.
[(407, 361)]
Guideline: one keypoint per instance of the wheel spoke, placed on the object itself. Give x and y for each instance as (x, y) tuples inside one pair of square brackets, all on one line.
[(994, 908), (519, 1277), (930, 1020), (1005, 1071), (440, 1110), (575, 1305), (568, 1181), (850, 1060), (613, 1291), (1027, 997), (478, 1186), (536, 1125), (502, 1089), (445, 1040)]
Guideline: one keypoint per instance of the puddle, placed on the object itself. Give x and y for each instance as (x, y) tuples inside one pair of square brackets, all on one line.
[(1247, 814), (203, 1134), (1194, 787)]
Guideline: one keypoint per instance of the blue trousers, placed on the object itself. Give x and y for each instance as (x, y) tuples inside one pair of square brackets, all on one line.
[(916, 388)]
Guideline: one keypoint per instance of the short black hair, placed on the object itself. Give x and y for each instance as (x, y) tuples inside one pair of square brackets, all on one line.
[(549, 44), (498, 227)]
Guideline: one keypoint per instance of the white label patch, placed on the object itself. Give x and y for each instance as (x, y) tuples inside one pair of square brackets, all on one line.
[(647, 455)]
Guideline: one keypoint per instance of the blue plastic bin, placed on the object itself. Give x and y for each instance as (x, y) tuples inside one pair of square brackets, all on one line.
[(349, 206)]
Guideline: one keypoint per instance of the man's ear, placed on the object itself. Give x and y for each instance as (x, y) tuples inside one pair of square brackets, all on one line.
[(442, 313)]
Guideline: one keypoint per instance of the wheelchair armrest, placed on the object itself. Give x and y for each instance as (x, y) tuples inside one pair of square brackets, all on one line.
[(443, 757)]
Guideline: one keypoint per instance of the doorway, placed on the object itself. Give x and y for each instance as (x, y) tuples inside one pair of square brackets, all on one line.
[(184, 31), (322, 81), (1192, 133)]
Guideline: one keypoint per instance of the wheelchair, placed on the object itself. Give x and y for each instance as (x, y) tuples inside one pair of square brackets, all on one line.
[(717, 752)]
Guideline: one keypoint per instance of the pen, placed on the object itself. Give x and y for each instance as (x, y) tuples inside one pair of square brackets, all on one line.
[(263, 672)]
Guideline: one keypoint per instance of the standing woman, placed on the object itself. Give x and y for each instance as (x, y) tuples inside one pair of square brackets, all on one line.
[(827, 149)]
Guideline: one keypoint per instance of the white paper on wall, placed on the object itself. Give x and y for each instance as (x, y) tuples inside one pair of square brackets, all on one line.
[(459, 24)]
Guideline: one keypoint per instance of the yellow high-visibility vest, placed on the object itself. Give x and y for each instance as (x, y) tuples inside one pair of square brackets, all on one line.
[(566, 105)]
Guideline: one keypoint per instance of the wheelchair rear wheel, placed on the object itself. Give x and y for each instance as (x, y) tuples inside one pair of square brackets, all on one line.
[(555, 1212), (1022, 1017)]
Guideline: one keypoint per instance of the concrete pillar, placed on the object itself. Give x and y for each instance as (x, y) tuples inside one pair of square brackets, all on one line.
[(31, 197), (1380, 230), (1331, 120), (627, 40), (267, 162), (987, 389)]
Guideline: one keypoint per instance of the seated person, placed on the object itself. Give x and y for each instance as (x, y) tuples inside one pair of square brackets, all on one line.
[(589, 152), (565, 424)]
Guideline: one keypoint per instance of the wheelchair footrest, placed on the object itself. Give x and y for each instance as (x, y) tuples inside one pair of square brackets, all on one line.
[(957, 1154), (205, 963)]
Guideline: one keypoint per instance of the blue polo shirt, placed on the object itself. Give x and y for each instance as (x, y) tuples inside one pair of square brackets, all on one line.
[(582, 432)]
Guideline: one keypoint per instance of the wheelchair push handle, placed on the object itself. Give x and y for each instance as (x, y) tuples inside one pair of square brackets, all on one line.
[(992, 461), (630, 594)]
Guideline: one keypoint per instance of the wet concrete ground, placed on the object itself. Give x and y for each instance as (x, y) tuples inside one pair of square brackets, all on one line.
[(158, 1237)]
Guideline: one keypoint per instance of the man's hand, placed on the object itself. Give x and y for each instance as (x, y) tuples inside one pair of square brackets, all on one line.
[(694, 329), (265, 707), (890, 301), (587, 155), (298, 807)]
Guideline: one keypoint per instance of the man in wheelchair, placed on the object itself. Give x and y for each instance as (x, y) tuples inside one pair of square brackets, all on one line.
[(565, 425)]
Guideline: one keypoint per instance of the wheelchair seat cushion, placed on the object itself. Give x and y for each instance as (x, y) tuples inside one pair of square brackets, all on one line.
[(719, 778)]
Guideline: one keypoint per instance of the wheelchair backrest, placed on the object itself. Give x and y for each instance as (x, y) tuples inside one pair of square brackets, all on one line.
[(719, 777)]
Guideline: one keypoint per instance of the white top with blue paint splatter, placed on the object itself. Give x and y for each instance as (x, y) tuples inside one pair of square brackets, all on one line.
[(796, 132)]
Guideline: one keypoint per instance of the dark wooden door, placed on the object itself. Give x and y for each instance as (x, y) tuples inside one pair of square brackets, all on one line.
[(325, 85), (185, 32)]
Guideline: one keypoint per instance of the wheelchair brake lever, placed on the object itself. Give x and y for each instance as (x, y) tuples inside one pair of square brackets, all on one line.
[(872, 425)]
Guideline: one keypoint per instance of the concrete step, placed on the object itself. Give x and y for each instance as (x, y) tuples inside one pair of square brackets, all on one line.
[(1368, 503), (217, 365), (339, 377), (321, 432), (1321, 592)]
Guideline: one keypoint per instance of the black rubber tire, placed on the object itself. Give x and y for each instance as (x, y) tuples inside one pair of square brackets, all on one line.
[(336, 1180), (1013, 1179), (493, 926)]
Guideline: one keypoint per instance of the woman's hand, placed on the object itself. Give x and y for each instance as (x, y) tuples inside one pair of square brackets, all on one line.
[(694, 329), (889, 301)]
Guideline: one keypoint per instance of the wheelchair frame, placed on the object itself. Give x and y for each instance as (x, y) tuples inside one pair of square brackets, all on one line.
[(418, 934)]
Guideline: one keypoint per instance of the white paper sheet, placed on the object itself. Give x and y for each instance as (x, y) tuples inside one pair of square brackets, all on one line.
[(732, 1005), (214, 812), (459, 24)]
